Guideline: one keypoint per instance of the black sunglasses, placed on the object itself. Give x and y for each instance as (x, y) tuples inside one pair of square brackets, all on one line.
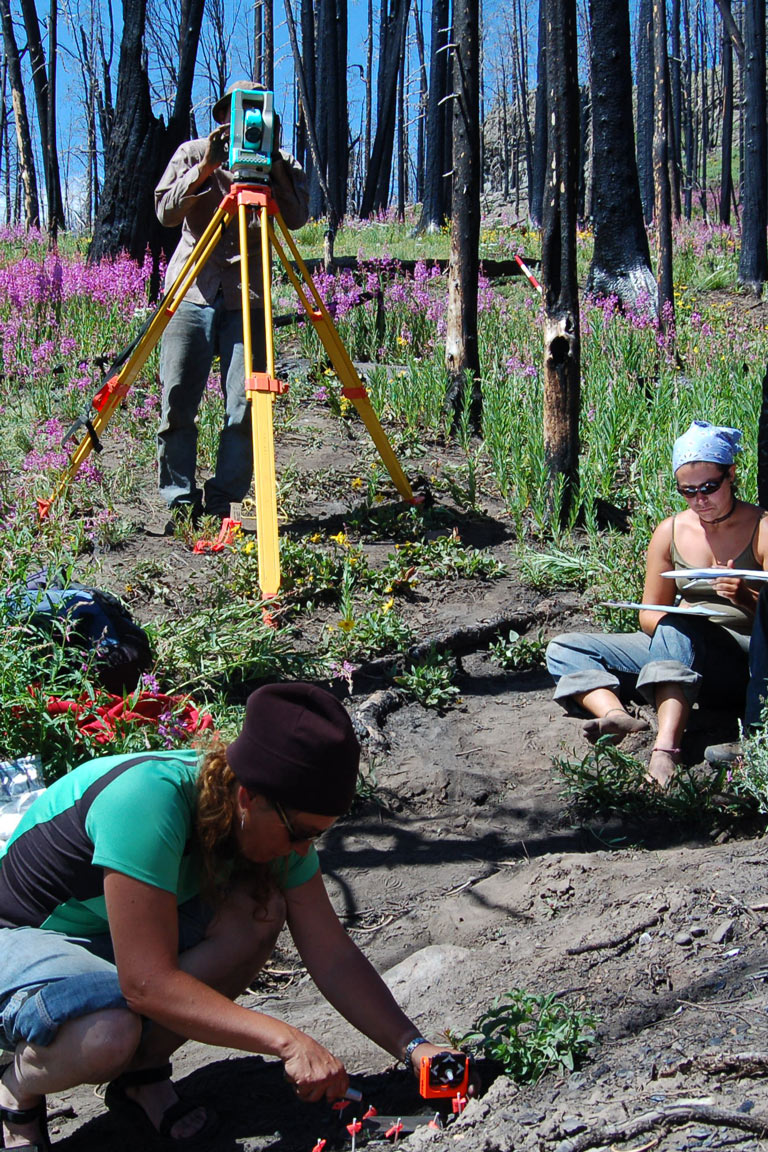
[(295, 835), (705, 489)]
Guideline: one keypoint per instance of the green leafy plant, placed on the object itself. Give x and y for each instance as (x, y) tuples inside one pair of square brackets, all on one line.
[(430, 681), (607, 779), (749, 775), (531, 1034), (516, 653)]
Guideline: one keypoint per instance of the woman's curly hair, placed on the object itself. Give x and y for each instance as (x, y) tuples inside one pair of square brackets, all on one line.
[(215, 822)]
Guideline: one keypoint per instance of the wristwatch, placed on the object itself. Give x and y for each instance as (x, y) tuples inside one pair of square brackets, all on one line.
[(411, 1047)]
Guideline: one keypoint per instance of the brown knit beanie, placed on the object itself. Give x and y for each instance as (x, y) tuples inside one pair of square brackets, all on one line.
[(298, 747)]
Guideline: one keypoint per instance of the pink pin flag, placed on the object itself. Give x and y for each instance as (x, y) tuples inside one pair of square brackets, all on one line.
[(320, 1145), (459, 1103), (340, 1105), (395, 1130), (370, 1113), (435, 1122)]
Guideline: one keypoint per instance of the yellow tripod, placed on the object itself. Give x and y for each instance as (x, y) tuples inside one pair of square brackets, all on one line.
[(261, 387)]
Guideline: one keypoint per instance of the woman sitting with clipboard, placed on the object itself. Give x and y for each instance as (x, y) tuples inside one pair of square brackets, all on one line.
[(695, 633)]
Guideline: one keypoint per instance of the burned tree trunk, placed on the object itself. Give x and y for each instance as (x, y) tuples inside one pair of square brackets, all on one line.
[(558, 260), (539, 173), (436, 184), (753, 260), (44, 93), (393, 26), (127, 220), (462, 355), (644, 147), (621, 261), (140, 145), (726, 143), (663, 196), (23, 136)]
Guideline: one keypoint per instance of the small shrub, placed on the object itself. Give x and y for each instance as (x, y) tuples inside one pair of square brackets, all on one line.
[(608, 779), (531, 1034), (430, 681), (519, 653), (750, 775)]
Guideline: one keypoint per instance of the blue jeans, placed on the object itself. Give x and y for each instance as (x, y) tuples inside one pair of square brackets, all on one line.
[(47, 978), (757, 690), (196, 334), (687, 652)]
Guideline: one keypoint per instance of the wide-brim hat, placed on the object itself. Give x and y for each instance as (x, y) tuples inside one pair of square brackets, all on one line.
[(220, 110), (298, 747)]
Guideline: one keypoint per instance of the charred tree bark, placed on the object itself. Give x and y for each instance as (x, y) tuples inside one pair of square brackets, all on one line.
[(689, 134), (269, 45), (663, 198), (753, 260), (726, 144), (621, 261), (562, 350), (675, 108), (376, 192), (23, 135), (423, 91), (134, 159), (521, 58), (540, 134), (436, 203), (462, 356), (308, 102), (140, 145), (45, 104), (644, 145), (332, 208), (331, 100)]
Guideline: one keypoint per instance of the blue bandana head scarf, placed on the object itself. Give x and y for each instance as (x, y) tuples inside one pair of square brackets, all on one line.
[(709, 443)]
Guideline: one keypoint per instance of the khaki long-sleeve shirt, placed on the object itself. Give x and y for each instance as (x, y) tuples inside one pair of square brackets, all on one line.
[(177, 201)]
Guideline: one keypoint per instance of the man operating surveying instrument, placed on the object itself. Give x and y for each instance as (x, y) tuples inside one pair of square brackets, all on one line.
[(208, 270)]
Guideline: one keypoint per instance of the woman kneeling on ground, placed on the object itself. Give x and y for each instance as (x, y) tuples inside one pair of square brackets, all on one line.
[(673, 657), (140, 895)]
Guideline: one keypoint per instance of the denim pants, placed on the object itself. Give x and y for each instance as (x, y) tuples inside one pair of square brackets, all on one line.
[(47, 978), (692, 653), (757, 690), (196, 334)]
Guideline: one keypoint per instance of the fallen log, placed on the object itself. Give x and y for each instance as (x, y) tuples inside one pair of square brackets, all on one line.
[(670, 1116)]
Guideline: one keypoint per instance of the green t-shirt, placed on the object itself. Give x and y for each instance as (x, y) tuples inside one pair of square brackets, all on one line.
[(133, 814)]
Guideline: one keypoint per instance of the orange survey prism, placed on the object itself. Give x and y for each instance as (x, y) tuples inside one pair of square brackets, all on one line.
[(443, 1075)]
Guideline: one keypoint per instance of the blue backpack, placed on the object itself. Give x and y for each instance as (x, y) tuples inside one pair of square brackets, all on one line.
[(96, 620)]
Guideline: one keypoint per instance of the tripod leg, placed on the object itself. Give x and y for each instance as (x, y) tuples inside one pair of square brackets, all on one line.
[(262, 402), (117, 384), (352, 385)]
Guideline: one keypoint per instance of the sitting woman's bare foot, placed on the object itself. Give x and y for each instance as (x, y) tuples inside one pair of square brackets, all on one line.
[(662, 766), (617, 723)]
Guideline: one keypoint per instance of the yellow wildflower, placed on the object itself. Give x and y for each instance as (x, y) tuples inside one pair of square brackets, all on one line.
[(388, 605), (357, 482), (341, 539), (346, 624)]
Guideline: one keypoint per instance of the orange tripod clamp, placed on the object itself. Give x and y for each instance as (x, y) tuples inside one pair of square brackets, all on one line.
[(444, 1074)]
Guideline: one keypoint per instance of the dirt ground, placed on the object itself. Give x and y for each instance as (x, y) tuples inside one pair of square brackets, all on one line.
[(466, 876)]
